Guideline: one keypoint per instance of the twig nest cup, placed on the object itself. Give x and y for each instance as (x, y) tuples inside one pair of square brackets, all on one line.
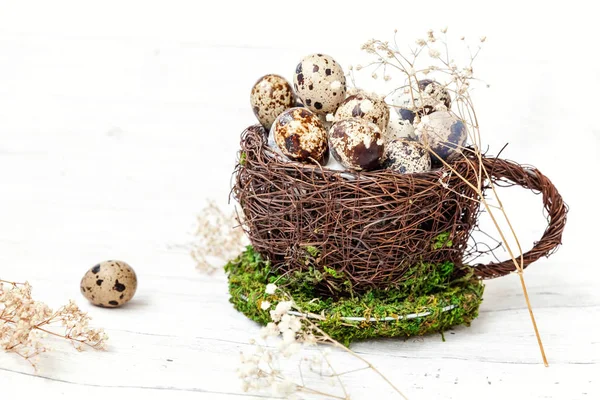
[(406, 157), (443, 131), (109, 284), (300, 136), (361, 106), (356, 143), (320, 83), (270, 96)]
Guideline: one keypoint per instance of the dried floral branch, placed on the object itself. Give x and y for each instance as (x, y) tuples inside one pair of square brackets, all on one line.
[(25, 322), (218, 238), (292, 330), (459, 85)]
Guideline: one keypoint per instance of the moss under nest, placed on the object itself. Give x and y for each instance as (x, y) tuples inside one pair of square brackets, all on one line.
[(428, 288)]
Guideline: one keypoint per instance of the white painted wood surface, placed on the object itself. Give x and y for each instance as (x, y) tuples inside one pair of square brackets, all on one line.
[(119, 119)]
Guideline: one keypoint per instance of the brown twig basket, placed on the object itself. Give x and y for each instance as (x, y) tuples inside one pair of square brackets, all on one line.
[(374, 226)]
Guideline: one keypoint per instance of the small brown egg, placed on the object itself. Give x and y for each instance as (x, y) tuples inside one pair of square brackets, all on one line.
[(356, 143), (365, 107), (270, 96), (300, 136), (109, 284)]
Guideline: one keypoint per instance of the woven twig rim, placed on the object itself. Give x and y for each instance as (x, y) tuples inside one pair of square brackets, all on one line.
[(374, 228)]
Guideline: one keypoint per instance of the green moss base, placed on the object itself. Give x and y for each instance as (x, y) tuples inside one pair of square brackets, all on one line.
[(428, 289)]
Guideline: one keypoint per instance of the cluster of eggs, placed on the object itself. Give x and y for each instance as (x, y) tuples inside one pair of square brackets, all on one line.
[(365, 133)]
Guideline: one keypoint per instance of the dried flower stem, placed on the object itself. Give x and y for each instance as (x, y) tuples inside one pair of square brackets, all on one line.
[(25, 322), (464, 105)]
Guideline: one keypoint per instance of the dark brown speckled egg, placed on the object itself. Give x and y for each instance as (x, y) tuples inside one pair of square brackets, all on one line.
[(362, 106), (356, 143), (109, 284), (270, 96), (300, 136)]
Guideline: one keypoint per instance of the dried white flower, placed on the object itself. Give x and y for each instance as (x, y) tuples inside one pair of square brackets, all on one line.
[(282, 308), (421, 42), (482, 39), (444, 29), (271, 288), (374, 75), (265, 305), (434, 53)]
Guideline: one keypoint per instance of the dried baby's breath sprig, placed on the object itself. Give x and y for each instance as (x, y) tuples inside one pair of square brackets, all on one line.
[(25, 323), (218, 238), (283, 341), (458, 82)]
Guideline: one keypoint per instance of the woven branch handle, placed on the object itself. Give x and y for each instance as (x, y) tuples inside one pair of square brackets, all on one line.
[(529, 178)]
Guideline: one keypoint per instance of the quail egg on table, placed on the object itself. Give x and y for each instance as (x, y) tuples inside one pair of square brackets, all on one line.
[(109, 284), (406, 157), (320, 83), (443, 131), (356, 143), (270, 96), (365, 107), (430, 97), (300, 136)]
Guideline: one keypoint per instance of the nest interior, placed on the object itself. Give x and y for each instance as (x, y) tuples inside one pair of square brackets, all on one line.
[(430, 301), (372, 228)]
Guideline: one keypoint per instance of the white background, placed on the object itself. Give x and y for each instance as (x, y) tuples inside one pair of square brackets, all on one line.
[(119, 119)]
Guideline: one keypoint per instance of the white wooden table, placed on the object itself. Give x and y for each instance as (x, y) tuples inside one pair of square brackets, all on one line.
[(119, 120)]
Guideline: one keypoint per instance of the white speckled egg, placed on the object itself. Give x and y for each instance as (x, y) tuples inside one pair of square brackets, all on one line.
[(320, 83), (368, 108), (406, 157), (356, 143), (443, 131), (270, 96), (431, 95), (109, 284), (300, 135), (398, 128)]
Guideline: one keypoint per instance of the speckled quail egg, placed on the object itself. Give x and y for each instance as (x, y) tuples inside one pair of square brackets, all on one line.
[(443, 131), (356, 143), (406, 157), (300, 135), (361, 106), (398, 128), (270, 96), (430, 95), (320, 83), (109, 284)]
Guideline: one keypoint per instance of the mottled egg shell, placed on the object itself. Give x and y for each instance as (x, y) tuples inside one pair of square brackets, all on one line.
[(320, 83), (431, 95), (356, 143), (300, 135), (270, 96), (406, 157), (109, 284), (362, 106), (443, 131), (398, 128)]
